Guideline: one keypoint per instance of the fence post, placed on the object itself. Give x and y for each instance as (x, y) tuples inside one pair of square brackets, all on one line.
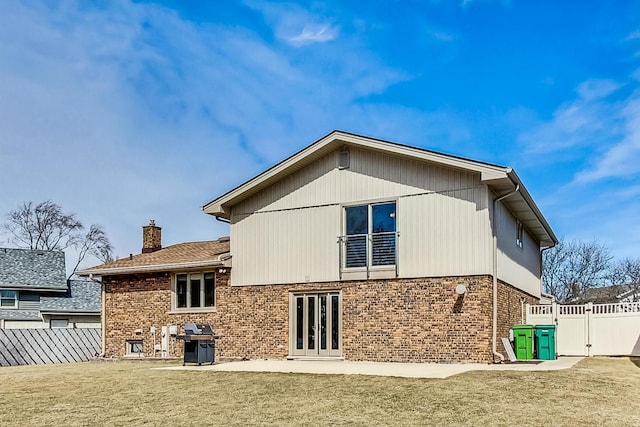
[(588, 311)]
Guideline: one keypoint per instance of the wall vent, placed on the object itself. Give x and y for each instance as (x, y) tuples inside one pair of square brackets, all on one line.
[(343, 161)]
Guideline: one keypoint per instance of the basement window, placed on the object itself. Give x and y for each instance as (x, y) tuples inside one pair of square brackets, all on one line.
[(134, 348), (194, 291)]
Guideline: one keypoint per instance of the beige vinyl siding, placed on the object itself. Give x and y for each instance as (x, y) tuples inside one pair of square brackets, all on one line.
[(287, 233), (79, 322), (444, 234), (518, 267)]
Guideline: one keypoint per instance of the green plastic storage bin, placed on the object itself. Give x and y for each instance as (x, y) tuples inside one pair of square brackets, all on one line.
[(523, 341), (546, 342)]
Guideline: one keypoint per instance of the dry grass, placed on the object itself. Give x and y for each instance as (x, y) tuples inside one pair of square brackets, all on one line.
[(600, 391)]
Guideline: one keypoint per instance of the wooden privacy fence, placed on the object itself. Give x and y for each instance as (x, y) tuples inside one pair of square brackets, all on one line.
[(43, 346), (591, 329)]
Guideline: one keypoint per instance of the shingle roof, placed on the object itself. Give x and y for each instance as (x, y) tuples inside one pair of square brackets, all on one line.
[(175, 256), (32, 269), (81, 296), (20, 315)]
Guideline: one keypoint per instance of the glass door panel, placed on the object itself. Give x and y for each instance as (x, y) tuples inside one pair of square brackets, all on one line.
[(311, 323), (315, 323), (323, 322), (299, 323)]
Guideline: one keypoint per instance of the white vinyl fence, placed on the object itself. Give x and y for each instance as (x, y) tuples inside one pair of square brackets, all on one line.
[(591, 329)]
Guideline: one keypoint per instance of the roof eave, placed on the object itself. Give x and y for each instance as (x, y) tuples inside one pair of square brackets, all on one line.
[(72, 312), (13, 287), (548, 238), (149, 268), (219, 206)]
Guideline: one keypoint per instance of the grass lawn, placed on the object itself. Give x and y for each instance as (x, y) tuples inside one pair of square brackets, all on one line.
[(597, 391)]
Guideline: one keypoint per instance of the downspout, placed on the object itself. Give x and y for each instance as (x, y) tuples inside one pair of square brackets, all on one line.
[(103, 318), (494, 331)]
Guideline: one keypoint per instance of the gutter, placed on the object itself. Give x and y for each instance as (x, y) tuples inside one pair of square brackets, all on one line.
[(150, 268), (494, 329)]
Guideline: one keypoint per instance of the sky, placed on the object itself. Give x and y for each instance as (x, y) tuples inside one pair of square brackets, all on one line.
[(122, 112)]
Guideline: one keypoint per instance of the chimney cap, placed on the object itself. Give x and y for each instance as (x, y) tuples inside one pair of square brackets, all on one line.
[(152, 222)]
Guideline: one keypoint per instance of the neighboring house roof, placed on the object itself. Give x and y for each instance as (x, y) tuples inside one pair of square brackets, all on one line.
[(500, 179), (171, 258), (32, 269), (611, 294), (82, 296), (20, 315)]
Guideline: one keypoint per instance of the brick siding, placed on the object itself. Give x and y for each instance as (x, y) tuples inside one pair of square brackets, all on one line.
[(418, 320)]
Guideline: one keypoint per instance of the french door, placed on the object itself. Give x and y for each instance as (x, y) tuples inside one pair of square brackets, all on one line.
[(316, 324)]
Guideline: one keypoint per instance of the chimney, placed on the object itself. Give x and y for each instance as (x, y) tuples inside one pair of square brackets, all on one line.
[(151, 238)]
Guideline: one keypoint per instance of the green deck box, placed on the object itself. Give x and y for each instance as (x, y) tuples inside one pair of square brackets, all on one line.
[(545, 342), (523, 341)]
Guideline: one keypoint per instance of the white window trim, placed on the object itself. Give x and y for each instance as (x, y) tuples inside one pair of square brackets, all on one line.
[(519, 235), (15, 300), (369, 204), (174, 293), (129, 345)]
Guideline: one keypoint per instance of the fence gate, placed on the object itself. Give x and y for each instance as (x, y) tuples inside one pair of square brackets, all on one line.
[(591, 329)]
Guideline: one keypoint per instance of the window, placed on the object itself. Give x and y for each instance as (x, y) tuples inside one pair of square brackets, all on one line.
[(134, 347), (370, 238), (59, 323), (195, 290), (8, 299), (519, 234)]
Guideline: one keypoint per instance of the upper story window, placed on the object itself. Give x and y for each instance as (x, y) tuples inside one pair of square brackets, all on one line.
[(370, 235), (195, 291), (8, 299), (519, 235)]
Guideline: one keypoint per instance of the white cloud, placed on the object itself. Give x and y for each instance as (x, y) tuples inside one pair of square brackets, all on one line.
[(314, 34), (622, 160), (295, 25), (634, 35), (596, 89), (128, 112)]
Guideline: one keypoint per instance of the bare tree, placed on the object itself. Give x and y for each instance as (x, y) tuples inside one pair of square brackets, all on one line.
[(45, 226), (626, 275), (571, 268)]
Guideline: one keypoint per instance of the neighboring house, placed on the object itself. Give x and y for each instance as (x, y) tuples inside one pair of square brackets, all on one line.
[(611, 294), (34, 292), (352, 248)]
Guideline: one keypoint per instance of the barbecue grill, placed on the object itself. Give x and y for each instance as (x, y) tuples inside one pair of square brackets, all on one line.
[(199, 343)]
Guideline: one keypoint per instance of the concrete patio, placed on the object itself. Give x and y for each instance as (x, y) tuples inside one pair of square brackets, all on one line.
[(389, 369)]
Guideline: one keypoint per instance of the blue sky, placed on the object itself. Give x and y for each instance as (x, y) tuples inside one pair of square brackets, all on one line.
[(128, 111)]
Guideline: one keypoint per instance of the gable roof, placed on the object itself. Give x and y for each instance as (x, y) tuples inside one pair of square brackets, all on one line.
[(82, 296), (32, 269), (172, 258), (500, 179)]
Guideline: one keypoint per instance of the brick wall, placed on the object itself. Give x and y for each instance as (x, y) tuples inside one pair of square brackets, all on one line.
[(382, 320), (510, 306)]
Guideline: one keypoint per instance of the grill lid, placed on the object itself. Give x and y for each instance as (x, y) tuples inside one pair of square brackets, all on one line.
[(191, 328)]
